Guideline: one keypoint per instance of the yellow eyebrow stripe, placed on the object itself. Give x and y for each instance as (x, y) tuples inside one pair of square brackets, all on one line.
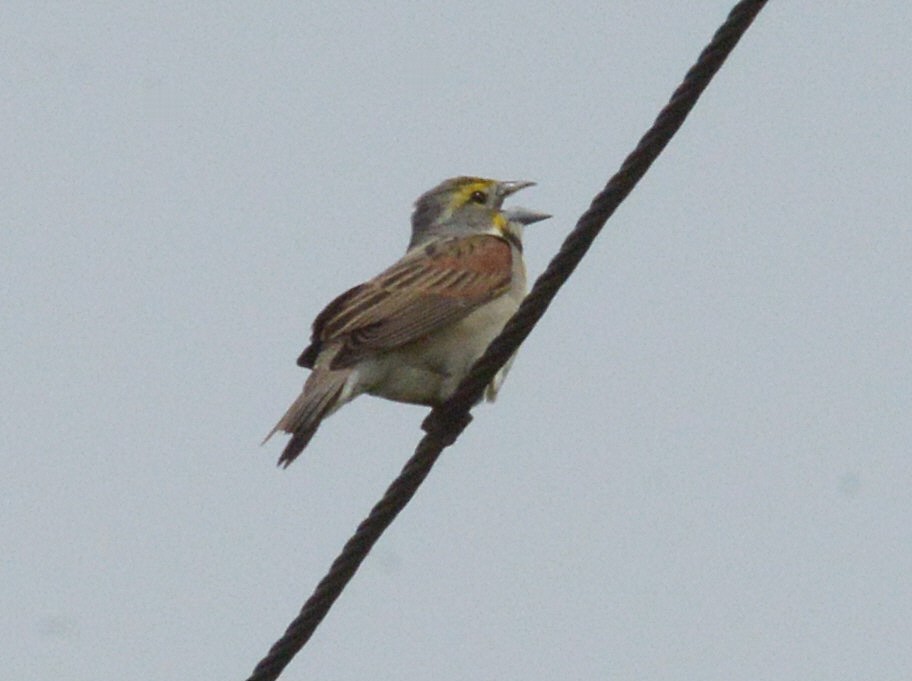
[(465, 192)]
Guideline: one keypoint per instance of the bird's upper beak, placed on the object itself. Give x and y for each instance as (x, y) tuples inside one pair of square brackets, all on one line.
[(524, 216), (512, 186)]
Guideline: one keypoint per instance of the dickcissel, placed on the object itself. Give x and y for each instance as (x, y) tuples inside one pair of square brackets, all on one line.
[(411, 333)]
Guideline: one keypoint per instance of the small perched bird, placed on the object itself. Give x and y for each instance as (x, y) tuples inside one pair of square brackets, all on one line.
[(412, 333)]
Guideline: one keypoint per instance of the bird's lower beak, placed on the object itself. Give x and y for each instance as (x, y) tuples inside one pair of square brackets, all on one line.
[(524, 216), (512, 186)]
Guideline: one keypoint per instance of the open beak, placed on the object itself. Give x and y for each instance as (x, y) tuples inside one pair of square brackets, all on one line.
[(524, 216), (512, 186)]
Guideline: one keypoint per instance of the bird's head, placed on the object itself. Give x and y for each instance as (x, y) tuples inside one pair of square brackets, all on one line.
[(469, 205)]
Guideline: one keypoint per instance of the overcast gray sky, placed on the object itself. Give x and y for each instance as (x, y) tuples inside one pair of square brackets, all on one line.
[(700, 465)]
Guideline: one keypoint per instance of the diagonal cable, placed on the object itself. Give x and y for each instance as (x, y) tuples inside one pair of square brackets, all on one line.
[(445, 423)]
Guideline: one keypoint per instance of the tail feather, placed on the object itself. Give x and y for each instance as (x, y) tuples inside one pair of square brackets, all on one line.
[(320, 397)]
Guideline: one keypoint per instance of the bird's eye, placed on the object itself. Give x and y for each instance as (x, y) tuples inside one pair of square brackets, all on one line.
[(479, 197)]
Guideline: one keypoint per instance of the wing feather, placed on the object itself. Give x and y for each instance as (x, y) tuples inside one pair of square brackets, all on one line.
[(429, 288)]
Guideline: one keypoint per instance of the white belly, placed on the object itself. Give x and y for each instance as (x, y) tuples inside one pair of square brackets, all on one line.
[(428, 371)]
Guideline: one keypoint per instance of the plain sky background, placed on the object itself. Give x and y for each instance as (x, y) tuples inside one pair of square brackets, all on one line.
[(700, 465)]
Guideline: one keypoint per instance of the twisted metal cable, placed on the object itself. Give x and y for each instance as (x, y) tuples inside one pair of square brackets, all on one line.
[(445, 423)]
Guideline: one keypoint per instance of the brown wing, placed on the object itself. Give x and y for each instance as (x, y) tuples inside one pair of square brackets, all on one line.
[(426, 290)]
